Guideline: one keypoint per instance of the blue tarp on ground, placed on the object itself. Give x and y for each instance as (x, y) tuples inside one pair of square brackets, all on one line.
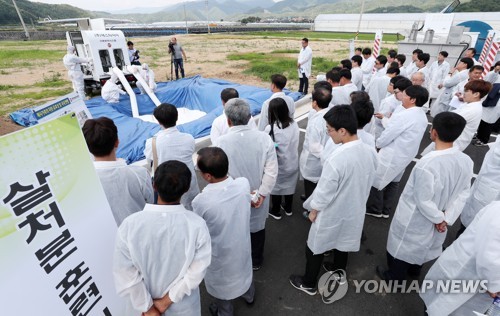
[(195, 93)]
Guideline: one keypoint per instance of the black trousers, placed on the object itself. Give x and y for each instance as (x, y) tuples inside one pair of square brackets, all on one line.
[(309, 188), (303, 83), (399, 268), (313, 265), (484, 132), (460, 231), (257, 240), (383, 200), (276, 203)]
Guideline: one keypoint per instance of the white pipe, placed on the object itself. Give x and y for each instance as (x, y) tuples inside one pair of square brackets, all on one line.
[(135, 70), (128, 88)]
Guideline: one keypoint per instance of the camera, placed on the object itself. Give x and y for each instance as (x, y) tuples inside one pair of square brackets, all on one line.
[(170, 46)]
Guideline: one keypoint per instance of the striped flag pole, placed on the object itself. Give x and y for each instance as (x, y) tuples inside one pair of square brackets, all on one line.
[(487, 45), (492, 54), (376, 45)]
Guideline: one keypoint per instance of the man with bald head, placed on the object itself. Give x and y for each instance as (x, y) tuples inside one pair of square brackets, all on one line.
[(178, 52)]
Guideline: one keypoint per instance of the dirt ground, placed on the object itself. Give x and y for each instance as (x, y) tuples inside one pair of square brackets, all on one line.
[(206, 56)]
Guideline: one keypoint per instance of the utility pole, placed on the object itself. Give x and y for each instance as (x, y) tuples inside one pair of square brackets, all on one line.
[(360, 16), (22, 21), (185, 18), (208, 23)]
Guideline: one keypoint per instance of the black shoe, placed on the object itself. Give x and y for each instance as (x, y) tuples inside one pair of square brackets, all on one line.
[(296, 282), (256, 267), (329, 267), (213, 309), (363, 236), (287, 213), (374, 213), (385, 214), (276, 216), (327, 253), (382, 274), (250, 303), (303, 197)]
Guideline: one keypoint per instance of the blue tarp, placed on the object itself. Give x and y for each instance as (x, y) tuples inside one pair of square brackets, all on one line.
[(195, 93)]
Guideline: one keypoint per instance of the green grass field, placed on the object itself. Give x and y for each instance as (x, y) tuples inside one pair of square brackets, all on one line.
[(325, 35)]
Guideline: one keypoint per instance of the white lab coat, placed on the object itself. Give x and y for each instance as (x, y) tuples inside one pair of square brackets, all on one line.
[(163, 249), (399, 144), (486, 187), (127, 188), (411, 69), (357, 77), (493, 77), (174, 145), (435, 192), (220, 126), (475, 255), (342, 94), (403, 72), (111, 92), (148, 76), (472, 113), (450, 84), (367, 68), (377, 90), (264, 119), (491, 114), (305, 61), (387, 107), (438, 73), (287, 150), (427, 75), (314, 143), (73, 65), (252, 155), (225, 207), (330, 146), (340, 198)]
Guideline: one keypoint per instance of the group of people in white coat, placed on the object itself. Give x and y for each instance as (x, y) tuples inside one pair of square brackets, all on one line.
[(219, 234)]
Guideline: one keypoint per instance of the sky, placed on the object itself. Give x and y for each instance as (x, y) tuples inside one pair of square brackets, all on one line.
[(104, 5)]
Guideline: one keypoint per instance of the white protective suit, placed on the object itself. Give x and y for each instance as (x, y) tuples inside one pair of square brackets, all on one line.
[(475, 255), (486, 187), (305, 60), (342, 94), (264, 119), (174, 145), (399, 144), (252, 155), (435, 192), (73, 65), (340, 198), (367, 68), (330, 146), (450, 84), (149, 76), (220, 126), (287, 150), (377, 90), (438, 73), (163, 249), (225, 207), (111, 92), (410, 70), (357, 77), (387, 107), (127, 188), (314, 143)]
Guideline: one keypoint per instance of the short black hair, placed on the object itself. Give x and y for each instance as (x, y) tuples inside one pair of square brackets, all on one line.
[(424, 57), (476, 67), (394, 64), (214, 161), (468, 61), (333, 75), (366, 51), (172, 179), (358, 49), (345, 73), (449, 126), (444, 53), (419, 93), (322, 97), (129, 43), (401, 58), (305, 39), (382, 59), (279, 81), (342, 116), (101, 135), (393, 70), (228, 94), (323, 84), (364, 112), (166, 114), (392, 53), (417, 51), (346, 63), (473, 50), (362, 96), (358, 59), (402, 83)]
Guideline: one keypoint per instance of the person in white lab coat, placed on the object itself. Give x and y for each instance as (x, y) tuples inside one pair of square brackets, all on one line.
[(491, 114), (471, 53), (356, 71), (278, 83), (401, 59), (224, 204), (149, 76), (73, 64), (450, 84), (486, 187), (421, 66), (127, 188), (170, 144), (251, 155), (431, 200), (333, 78), (304, 65), (315, 141), (219, 125), (285, 135), (338, 202), (162, 253), (437, 72), (379, 66), (475, 73), (475, 255), (111, 92), (412, 67), (343, 94), (398, 145), (367, 66), (377, 89)]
